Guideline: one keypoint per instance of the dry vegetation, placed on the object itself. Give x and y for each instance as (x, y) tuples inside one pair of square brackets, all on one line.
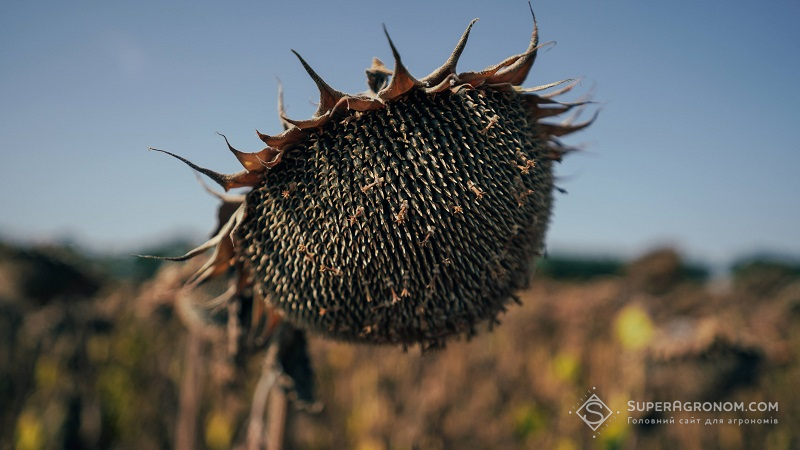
[(96, 361)]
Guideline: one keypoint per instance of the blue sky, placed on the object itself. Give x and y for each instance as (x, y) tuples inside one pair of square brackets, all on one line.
[(696, 146)]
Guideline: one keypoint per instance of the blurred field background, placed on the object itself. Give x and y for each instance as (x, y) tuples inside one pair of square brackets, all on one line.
[(93, 355), (695, 148)]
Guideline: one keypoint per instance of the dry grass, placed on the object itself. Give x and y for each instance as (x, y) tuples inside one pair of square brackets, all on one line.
[(101, 364)]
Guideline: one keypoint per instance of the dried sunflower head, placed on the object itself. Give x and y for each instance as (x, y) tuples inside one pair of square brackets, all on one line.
[(402, 215)]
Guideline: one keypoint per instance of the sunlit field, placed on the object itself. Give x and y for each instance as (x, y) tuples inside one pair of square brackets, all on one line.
[(94, 355)]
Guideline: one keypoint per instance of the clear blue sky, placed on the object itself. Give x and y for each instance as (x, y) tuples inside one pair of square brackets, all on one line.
[(697, 144)]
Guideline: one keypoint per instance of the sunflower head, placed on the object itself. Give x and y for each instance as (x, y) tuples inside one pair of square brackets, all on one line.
[(405, 214)]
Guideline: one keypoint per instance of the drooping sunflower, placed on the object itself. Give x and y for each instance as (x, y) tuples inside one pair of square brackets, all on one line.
[(405, 214)]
